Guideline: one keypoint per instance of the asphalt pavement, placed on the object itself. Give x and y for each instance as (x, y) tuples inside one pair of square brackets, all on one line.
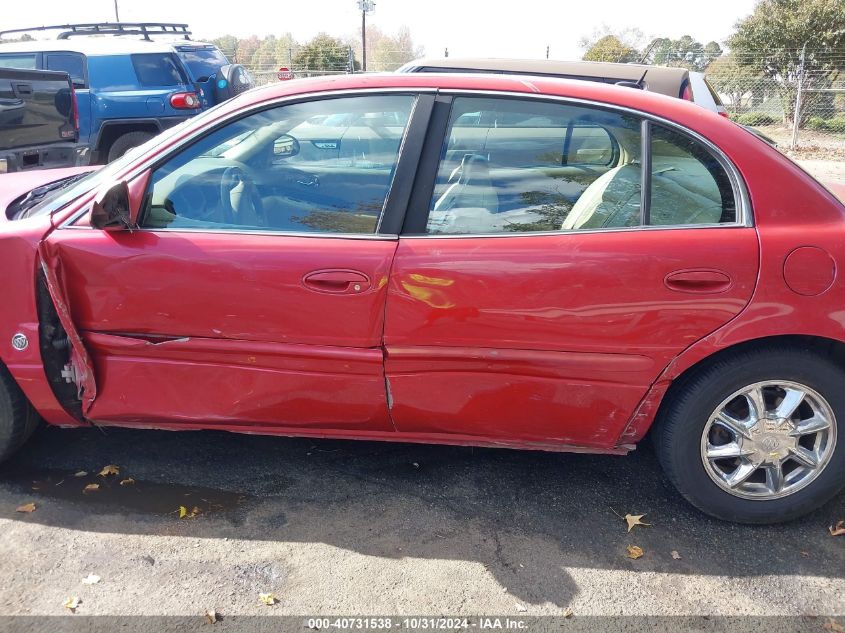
[(364, 528)]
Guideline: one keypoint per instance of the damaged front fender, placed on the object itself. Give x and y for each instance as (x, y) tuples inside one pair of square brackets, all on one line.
[(81, 369)]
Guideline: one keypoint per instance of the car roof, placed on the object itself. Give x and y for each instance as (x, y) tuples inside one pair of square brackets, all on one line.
[(100, 45), (662, 79), (620, 96)]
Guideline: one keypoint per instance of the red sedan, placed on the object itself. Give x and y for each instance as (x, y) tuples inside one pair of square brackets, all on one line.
[(485, 260)]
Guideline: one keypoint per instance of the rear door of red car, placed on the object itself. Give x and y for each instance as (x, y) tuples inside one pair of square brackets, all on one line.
[(253, 294), (536, 292)]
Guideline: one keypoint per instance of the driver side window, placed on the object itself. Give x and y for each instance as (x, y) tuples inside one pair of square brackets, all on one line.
[(320, 166)]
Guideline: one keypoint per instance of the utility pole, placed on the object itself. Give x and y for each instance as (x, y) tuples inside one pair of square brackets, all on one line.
[(796, 116), (365, 7), (116, 14)]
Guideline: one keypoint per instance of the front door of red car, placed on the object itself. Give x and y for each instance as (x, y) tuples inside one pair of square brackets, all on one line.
[(253, 294), (537, 292)]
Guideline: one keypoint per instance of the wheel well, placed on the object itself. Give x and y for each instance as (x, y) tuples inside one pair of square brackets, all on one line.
[(110, 133), (823, 347)]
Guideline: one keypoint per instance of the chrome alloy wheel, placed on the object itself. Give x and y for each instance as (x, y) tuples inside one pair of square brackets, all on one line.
[(768, 440)]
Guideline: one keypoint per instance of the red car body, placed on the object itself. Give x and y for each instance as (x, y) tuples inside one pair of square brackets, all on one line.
[(558, 342)]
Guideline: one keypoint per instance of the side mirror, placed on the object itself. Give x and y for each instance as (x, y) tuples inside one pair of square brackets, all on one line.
[(285, 146), (112, 210)]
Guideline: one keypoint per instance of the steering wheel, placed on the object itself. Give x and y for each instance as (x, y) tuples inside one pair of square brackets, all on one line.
[(240, 199)]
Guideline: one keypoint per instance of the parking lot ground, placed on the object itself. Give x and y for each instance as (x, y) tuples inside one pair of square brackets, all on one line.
[(825, 170), (342, 527)]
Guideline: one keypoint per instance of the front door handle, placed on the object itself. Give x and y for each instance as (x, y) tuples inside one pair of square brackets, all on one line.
[(699, 281), (336, 281)]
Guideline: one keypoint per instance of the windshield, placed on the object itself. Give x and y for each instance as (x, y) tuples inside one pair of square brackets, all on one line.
[(70, 189), (203, 63)]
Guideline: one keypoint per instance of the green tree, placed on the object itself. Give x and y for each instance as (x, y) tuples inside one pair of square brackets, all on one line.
[(246, 50), (323, 54), (737, 82), (685, 52), (771, 39), (228, 44), (387, 52), (611, 49)]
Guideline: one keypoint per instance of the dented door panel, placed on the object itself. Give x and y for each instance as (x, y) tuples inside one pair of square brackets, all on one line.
[(220, 328), (243, 382), (554, 337)]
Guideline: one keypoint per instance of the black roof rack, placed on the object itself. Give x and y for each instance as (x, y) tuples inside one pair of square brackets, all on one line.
[(146, 29)]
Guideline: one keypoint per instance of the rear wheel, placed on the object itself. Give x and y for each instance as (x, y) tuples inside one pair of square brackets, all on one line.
[(123, 144), (753, 437), (18, 419)]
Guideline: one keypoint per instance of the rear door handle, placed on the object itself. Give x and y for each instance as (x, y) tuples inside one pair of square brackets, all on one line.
[(699, 281), (23, 90), (336, 281)]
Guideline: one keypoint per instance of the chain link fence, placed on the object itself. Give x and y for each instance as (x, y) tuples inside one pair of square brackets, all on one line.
[(803, 112), (304, 61), (766, 101)]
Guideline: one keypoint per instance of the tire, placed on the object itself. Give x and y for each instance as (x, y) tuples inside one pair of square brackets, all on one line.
[(123, 144), (709, 483), (18, 420)]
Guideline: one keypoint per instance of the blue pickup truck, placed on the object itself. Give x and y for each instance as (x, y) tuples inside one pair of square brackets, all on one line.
[(132, 80)]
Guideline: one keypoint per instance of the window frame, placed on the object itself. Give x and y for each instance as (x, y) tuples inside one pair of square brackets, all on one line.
[(184, 81), (419, 157), (417, 215), (46, 56), (398, 192), (36, 55)]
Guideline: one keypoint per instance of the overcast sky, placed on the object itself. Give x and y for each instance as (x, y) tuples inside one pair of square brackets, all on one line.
[(494, 28)]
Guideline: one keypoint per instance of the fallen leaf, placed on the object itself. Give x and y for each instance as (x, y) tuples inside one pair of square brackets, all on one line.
[(184, 514), (267, 598), (27, 507), (81, 473), (111, 469), (634, 551), (72, 603), (91, 488), (634, 519), (127, 482), (521, 607), (567, 612), (838, 529), (91, 579), (833, 625), (211, 616), (676, 555)]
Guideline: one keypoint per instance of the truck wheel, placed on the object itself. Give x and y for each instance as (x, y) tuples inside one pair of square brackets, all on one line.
[(752, 437), (18, 420), (126, 142)]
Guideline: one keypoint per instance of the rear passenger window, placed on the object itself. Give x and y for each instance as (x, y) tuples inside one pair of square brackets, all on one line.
[(71, 63), (157, 70), (23, 61), (518, 166), (688, 184)]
